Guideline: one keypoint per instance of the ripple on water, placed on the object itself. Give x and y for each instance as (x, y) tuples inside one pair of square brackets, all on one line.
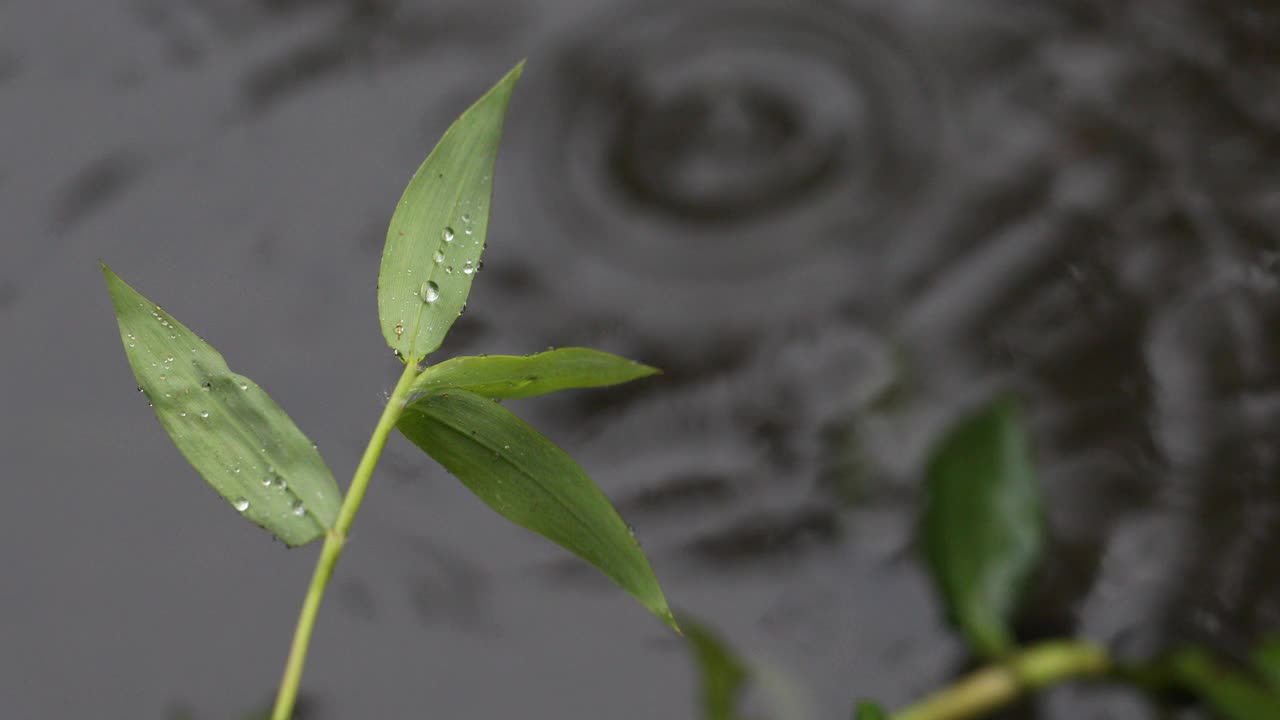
[(733, 147)]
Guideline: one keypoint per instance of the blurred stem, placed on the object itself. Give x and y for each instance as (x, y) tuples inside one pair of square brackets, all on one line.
[(334, 539), (1019, 675)]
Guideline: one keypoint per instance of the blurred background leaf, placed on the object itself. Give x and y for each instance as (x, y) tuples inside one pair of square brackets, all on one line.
[(724, 675), (1231, 695), (868, 710), (983, 523)]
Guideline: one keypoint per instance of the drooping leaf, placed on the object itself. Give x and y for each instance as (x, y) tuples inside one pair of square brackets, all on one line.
[(724, 674), (438, 230), (867, 710), (513, 376), (1230, 695), (226, 426), (983, 522), (1266, 660), (530, 481)]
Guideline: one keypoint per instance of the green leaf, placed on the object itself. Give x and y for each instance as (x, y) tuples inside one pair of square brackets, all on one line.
[(438, 230), (1266, 660), (533, 483), (226, 426), (1231, 696), (983, 524), (724, 674), (512, 376), (867, 710)]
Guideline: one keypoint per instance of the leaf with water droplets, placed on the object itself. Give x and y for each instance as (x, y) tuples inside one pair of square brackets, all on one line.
[(226, 426), (983, 523), (441, 222), (530, 481), (511, 376)]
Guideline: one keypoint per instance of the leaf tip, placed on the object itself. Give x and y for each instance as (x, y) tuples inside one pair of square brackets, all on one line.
[(669, 618)]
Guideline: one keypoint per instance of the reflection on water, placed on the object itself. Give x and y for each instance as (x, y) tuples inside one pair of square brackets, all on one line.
[(832, 224)]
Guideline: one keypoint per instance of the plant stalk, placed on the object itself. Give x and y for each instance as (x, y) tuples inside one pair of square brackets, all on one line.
[(1003, 683), (334, 540)]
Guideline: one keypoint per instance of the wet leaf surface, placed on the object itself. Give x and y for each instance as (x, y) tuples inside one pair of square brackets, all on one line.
[(227, 427), (513, 376), (530, 481), (437, 233)]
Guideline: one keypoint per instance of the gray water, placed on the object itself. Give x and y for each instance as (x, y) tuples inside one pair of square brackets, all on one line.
[(833, 224)]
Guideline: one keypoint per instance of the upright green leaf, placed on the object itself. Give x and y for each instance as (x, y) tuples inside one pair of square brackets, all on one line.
[(867, 710), (513, 376), (530, 481), (438, 230), (983, 522), (724, 674), (1230, 695), (230, 431)]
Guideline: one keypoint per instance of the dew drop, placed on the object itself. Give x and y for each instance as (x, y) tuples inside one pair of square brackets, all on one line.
[(182, 414), (438, 257), (244, 386), (467, 231), (206, 386), (269, 480), (429, 292), (447, 235), (298, 508), (204, 413), (241, 504), (467, 268), (466, 218), (448, 269)]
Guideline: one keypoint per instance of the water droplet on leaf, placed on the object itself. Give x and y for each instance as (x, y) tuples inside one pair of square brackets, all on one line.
[(241, 504), (447, 235), (430, 292)]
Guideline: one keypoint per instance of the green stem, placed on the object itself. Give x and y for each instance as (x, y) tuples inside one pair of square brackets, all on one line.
[(333, 542), (1001, 684)]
